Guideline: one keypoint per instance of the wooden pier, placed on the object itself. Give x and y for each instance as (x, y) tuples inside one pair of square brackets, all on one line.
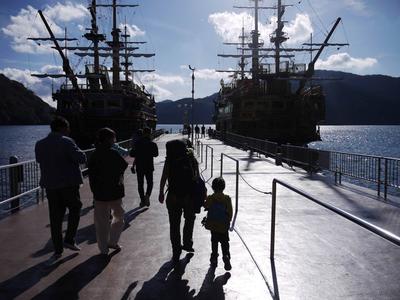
[(318, 254)]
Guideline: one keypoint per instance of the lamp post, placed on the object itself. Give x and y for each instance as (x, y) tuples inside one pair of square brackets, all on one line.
[(192, 69)]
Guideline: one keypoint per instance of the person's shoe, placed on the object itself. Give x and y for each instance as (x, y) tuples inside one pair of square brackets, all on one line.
[(147, 200), (141, 204), (187, 248), (214, 260), (53, 259), (72, 246), (115, 247), (227, 263)]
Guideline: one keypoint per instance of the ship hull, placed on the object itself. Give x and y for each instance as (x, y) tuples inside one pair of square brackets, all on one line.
[(123, 111), (282, 117)]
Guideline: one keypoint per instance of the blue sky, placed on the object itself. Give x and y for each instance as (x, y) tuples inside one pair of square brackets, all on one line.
[(183, 32)]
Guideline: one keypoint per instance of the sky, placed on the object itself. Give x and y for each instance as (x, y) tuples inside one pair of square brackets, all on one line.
[(192, 32)]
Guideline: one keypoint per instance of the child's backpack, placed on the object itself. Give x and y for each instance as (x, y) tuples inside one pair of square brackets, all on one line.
[(217, 216)]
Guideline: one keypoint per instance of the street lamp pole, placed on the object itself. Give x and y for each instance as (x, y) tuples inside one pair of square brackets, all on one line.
[(192, 69)]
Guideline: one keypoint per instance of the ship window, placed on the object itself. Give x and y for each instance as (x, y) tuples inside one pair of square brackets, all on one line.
[(113, 103)]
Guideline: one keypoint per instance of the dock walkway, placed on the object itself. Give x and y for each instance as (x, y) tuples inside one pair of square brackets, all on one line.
[(318, 254)]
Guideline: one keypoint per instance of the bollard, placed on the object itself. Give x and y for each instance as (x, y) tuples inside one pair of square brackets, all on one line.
[(15, 179), (278, 159)]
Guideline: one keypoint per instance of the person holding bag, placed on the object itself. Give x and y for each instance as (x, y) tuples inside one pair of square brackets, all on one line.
[(180, 169)]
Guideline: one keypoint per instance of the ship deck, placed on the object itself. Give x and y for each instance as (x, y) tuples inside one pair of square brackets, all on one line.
[(318, 254)]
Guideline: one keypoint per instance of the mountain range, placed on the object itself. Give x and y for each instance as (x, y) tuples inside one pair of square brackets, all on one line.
[(350, 100), (20, 106)]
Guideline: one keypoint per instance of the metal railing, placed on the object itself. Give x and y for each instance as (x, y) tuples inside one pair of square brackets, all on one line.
[(17, 180), (21, 179), (382, 171), (372, 228)]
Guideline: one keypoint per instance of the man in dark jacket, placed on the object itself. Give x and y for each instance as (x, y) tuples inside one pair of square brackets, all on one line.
[(106, 178), (144, 152), (59, 158)]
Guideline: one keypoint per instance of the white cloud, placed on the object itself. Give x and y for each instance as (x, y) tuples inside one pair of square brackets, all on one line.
[(66, 12), (207, 74), (228, 25), (358, 6), (159, 92), (132, 30), (23, 76), (28, 24), (299, 29), (162, 85), (343, 61), (162, 79)]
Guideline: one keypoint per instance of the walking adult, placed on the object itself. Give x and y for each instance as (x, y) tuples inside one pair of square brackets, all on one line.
[(180, 169), (203, 131), (135, 138), (106, 178), (59, 158), (197, 131), (144, 152)]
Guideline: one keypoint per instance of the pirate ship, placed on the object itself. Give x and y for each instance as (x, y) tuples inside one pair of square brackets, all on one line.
[(98, 101), (278, 101)]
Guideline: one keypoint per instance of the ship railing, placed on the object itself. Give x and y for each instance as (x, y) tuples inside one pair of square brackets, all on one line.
[(261, 146), (382, 171), (81, 86), (19, 181)]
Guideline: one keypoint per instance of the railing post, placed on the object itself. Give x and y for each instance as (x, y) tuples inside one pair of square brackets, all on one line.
[(15, 177), (206, 157), (237, 193), (379, 176), (336, 172), (273, 213), (201, 154), (222, 163), (386, 179), (212, 162)]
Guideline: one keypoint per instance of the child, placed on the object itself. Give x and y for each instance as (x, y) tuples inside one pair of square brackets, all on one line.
[(219, 215)]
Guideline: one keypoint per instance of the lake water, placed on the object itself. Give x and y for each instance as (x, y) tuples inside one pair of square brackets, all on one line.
[(372, 140)]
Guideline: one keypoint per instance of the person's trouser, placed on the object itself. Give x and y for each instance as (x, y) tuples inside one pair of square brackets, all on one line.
[(59, 200), (140, 179), (106, 233), (223, 238), (177, 205)]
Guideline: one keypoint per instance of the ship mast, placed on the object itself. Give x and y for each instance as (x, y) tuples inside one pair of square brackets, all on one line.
[(96, 40), (115, 47), (255, 45), (242, 63)]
